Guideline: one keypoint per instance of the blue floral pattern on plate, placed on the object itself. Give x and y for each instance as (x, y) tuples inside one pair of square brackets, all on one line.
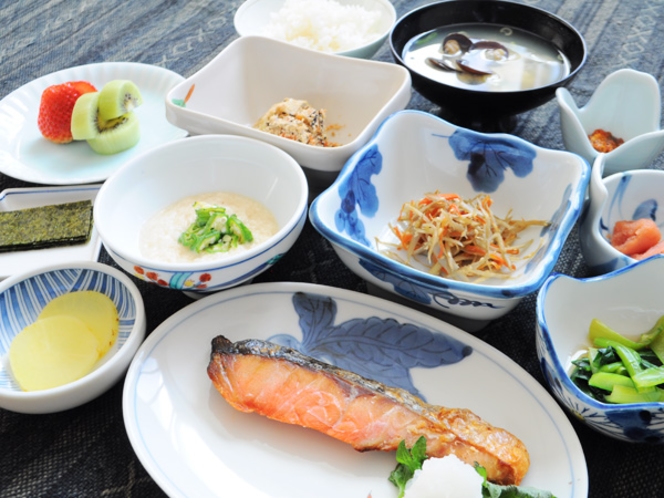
[(358, 191), (381, 349), (490, 157)]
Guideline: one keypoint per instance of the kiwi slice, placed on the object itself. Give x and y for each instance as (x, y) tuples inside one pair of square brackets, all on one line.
[(84, 117), (116, 135), (117, 98)]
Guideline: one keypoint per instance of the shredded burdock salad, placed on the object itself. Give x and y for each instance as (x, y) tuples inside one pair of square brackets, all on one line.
[(458, 238)]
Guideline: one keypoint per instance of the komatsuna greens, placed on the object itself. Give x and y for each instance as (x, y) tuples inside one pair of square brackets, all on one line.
[(617, 369)]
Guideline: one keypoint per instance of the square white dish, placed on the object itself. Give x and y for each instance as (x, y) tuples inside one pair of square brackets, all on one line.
[(252, 73), (11, 199)]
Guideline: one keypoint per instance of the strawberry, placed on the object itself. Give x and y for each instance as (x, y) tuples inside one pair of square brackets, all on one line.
[(55, 108)]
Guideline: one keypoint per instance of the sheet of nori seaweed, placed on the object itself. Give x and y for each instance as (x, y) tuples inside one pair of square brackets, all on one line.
[(55, 225)]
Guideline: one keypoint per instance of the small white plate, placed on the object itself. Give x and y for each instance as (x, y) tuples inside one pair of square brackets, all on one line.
[(11, 199), (26, 155), (194, 444)]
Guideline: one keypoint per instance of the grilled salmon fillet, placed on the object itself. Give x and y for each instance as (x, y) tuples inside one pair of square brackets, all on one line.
[(285, 385)]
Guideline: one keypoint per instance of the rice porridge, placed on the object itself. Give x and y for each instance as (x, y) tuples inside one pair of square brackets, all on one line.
[(158, 238)]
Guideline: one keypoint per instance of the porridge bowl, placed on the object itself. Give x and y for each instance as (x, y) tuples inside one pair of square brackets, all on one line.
[(353, 28), (242, 83), (144, 210), (23, 300), (413, 154), (630, 198), (628, 301), (483, 62)]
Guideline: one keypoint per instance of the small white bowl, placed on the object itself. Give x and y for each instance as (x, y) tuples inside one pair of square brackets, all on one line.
[(629, 300), (414, 153), (253, 15), (22, 297), (253, 73), (627, 195), (627, 103), (166, 174)]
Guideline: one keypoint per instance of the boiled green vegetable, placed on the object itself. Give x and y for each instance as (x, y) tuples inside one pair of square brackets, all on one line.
[(621, 370), (214, 230)]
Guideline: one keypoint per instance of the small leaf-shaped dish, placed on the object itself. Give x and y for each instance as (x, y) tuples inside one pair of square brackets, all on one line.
[(415, 153), (627, 104)]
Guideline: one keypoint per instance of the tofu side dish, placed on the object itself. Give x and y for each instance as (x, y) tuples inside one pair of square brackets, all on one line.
[(296, 120)]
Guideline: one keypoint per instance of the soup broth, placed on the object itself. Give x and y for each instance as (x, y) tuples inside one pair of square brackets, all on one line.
[(529, 61)]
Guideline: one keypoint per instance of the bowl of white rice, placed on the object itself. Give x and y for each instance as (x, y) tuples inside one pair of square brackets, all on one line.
[(354, 28)]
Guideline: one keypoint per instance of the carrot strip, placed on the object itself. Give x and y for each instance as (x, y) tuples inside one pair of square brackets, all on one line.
[(456, 237)]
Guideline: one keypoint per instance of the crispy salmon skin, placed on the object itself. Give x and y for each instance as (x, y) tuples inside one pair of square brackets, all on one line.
[(285, 385)]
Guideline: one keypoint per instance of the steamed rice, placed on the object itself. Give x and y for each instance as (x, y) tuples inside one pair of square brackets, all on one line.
[(323, 25), (446, 477), (158, 238)]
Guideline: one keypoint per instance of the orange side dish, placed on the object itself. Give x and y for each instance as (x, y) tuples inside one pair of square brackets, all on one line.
[(604, 141), (458, 238), (637, 238)]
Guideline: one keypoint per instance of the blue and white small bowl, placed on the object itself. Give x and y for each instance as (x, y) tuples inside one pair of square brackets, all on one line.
[(152, 181), (628, 195), (22, 297), (629, 300), (413, 153)]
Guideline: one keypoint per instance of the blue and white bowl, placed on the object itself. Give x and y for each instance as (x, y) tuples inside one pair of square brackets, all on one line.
[(413, 153), (629, 300), (22, 297), (628, 195), (152, 181)]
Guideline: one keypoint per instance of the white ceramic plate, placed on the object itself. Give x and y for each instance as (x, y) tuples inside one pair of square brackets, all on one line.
[(195, 445), (13, 263), (26, 155)]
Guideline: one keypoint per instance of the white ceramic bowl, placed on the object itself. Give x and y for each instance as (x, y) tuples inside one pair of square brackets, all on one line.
[(414, 153), (215, 163), (627, 103), (253, 73), (629, 300), (22, 297), (253, 15), (626, 195)]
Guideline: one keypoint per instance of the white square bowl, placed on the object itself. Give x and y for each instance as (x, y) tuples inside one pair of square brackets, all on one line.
[(251, 74)]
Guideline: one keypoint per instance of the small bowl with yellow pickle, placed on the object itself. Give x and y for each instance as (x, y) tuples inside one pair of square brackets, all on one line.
[(600, 343), (67, 334)]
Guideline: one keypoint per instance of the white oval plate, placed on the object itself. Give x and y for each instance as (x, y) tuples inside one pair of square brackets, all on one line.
[(26, 155), (16, 262), (195, 445)]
